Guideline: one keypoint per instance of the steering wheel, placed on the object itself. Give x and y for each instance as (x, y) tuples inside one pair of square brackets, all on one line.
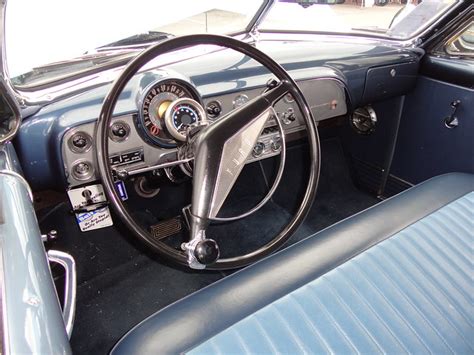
[(220, 151)]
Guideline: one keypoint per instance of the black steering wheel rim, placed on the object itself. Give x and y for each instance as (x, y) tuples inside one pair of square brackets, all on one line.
[(102, 152)]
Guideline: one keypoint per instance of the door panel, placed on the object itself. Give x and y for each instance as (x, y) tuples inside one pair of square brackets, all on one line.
[(457, 72), (32, 318), (425, 146)]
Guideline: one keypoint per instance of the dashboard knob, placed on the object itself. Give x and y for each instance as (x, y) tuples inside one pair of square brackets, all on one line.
[(82, 170), (289, 116), (258, 149), (207, 251), (276, 144), (119, 131), (79, 141), (214, 109)]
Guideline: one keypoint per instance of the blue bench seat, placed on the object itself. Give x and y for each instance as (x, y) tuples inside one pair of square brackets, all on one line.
[(396, 278)]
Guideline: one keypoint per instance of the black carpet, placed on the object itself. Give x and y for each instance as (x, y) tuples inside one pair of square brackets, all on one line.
[(120, 282)]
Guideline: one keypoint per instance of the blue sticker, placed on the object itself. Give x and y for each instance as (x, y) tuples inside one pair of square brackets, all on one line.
[(81, 217), (121, 190)]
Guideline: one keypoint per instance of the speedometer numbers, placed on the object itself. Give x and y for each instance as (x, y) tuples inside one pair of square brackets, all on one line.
[(180, 115), (155, 105)]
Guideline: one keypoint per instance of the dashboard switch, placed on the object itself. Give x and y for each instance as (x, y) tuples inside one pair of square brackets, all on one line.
[(80, 142), (119, 131), (213, 109), (82, 170), (258, 149), (289, 116), (276, 144)]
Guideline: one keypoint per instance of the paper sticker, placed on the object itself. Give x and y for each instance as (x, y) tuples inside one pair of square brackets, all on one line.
[(96, 219), (89, 196)]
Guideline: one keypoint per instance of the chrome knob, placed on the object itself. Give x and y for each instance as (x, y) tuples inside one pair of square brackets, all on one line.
[(258, 149), (276, 144)]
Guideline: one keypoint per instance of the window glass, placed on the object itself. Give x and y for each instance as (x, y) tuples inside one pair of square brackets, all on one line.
[(463, 43)]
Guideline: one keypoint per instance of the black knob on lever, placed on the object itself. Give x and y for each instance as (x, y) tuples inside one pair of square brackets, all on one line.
[(207, 251)]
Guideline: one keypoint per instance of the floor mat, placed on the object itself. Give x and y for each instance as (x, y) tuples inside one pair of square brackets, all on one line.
[(337, 198), (120, 282)]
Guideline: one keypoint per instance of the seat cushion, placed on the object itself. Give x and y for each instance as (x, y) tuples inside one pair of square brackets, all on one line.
[(410, 293), (396, 277)]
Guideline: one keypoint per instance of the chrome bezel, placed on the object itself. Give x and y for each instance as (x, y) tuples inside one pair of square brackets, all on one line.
[(239, 97), (288, 98), (139, 121), (169, 117), (116, 139), (218, 103), (82, 177), (78, 150)]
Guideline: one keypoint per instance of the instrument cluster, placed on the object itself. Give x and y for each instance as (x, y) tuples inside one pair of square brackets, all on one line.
[(168, 109)]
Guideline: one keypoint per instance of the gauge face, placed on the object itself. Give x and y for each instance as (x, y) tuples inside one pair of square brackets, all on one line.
[(181, 114), (155, 104)]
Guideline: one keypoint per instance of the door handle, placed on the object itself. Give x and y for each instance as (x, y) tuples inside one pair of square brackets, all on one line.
[(452, 121)]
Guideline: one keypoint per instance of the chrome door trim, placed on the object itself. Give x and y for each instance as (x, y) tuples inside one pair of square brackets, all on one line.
[(69, 305)]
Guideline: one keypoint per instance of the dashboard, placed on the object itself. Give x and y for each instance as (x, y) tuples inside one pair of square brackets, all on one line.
[(169, 107), (336, 77)]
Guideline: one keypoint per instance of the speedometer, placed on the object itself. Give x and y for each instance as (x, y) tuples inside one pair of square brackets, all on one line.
[(151, 121), (182, 114)]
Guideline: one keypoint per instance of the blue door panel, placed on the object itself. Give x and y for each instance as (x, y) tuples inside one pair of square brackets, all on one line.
[(425, 146)]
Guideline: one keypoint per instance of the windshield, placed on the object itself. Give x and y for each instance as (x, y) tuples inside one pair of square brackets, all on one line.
[(50, 40), (400, 19), (50, 31)]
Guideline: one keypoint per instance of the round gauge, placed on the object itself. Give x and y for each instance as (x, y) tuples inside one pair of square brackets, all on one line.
[(182, 114), (240, 100), (157, 100)]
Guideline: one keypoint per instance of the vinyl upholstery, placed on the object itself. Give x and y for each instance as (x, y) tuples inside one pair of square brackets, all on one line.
[(394, 278), (412, 292)]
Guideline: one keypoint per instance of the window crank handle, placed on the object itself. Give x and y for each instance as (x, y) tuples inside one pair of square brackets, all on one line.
[(452, 121)]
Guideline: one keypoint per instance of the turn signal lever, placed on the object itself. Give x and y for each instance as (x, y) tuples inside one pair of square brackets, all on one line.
[(452, 121)]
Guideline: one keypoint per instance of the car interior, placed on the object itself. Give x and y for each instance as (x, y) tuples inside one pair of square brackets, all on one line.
[(279, 192)]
